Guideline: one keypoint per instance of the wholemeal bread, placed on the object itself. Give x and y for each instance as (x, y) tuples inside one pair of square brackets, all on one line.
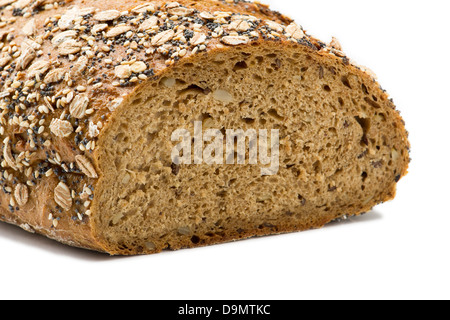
[(94, 92)]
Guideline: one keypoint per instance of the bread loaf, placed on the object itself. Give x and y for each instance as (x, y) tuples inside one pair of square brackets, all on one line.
[(98, 96)]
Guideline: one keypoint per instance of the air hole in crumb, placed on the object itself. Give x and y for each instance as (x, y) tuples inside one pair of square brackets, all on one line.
[(274, 114), (317, 167), (192, 90), (327, 88), (341, 102), (249, 120), (195, 240), (365, 125), (364, 89), (151, 137), (242, 65), (277, 65), (137, 101), (302, 199), (257, 77), (381, 117), (364, 176), (346, 82), (372, 103)]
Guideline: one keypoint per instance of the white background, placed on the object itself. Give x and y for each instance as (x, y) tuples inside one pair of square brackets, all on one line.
[(399, 251)]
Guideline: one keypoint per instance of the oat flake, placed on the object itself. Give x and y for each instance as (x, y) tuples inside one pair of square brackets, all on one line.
[(163, 37), (235, 40), (107, 15), (21, 194), (62, 196), (79, 106), (86, 166), (61, 128)]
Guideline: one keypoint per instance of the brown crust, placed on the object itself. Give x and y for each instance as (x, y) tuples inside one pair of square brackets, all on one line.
[(41, 159)]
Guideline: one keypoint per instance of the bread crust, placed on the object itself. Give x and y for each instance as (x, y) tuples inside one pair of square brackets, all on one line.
[(63, 60)]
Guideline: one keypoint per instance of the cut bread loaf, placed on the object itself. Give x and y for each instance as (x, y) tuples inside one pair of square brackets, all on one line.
[(93, 91)]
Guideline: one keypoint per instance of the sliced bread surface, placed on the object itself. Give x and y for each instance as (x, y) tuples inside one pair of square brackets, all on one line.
[(95, 95)]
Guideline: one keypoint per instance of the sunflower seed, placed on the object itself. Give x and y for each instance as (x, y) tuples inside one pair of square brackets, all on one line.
[(185, 231), (62, 196), (86, 166), (150, 246)]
